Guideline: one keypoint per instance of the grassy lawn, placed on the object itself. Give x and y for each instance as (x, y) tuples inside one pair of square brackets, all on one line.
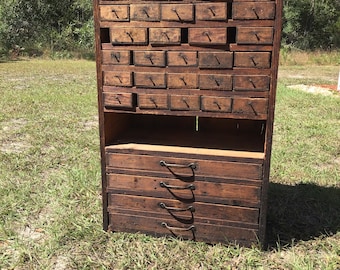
[(50, 202)]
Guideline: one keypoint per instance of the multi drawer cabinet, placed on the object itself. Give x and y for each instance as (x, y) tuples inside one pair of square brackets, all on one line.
[(186, 93)]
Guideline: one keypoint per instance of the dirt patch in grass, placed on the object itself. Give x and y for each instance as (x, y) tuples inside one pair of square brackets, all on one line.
[(326, 90), (12, 137)]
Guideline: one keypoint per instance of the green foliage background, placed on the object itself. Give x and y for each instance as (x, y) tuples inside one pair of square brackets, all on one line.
[(58, 27)]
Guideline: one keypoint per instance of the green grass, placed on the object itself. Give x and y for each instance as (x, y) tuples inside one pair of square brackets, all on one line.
[(50, 202)]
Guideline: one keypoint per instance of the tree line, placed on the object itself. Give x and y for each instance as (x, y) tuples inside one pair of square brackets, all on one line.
[(35, 27)]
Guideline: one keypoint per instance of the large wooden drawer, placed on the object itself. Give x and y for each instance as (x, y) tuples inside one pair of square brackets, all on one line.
[(200, 166), (187, 188), (211, 233)]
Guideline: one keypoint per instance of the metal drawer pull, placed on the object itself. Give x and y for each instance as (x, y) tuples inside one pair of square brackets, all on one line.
[(192, 165), (189, 208), (183, 80), (257, 36), (208, 36), (184, 57), (166, 35), (254, 10), (252, 59), (190, 187), (146, 12), (154, 102), (252, 82), (118, 99), (170, 228), (150, 78), (212, 11), (175, 10), (218, 105), (115, 12), (116, 56), (252, 107), (218, 61), (130, 36), (119, 78)]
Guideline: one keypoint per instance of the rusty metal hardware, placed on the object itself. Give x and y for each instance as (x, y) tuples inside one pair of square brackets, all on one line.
[(176, 209), (190, 186), (192, 165)]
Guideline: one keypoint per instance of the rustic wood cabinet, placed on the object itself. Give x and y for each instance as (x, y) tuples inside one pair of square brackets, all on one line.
[(186, 93)]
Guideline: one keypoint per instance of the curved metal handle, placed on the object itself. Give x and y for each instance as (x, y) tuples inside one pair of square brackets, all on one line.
[(190, 187), (192, 165), (176, 209), (170, 228)]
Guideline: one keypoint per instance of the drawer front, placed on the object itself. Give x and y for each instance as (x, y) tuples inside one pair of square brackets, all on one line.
[(177, 12), (254, 35), (166, 226), (222, 169), (118, 100), (216, 104), (128, 36), (185, 102), (145, 12), (170, 188), (215, 59), (116, 13), (212, 36), (165, 36), (116, 57), (148, 79), (211, 11), (251, 83), (252, 59), (182, 80), (253, 10), (149, 58), (182, 59), (153, 101), (250, 106), (117, 78), (215, 82), (188, 212)]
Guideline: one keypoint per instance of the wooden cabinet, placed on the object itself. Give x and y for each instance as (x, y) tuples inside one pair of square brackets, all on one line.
[(186, 94)]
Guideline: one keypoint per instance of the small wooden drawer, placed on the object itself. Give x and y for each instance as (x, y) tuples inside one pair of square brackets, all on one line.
[(182, 80), (153, 101), (149, 58), (253, 10), (185, 102), (254, 35), (215, 82), (117, 78), (145, 12), (251, 83), (118, 100), (159, 36), (129, 36), (215, 59), (116, 13), (250, 106), (150, 79), (182, 59), (252, 59), (212, 36), (177, 12), (116, 57), (211, 11), (216, 104)]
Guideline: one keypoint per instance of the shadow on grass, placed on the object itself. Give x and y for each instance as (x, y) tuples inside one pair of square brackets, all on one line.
[(301, 212)]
